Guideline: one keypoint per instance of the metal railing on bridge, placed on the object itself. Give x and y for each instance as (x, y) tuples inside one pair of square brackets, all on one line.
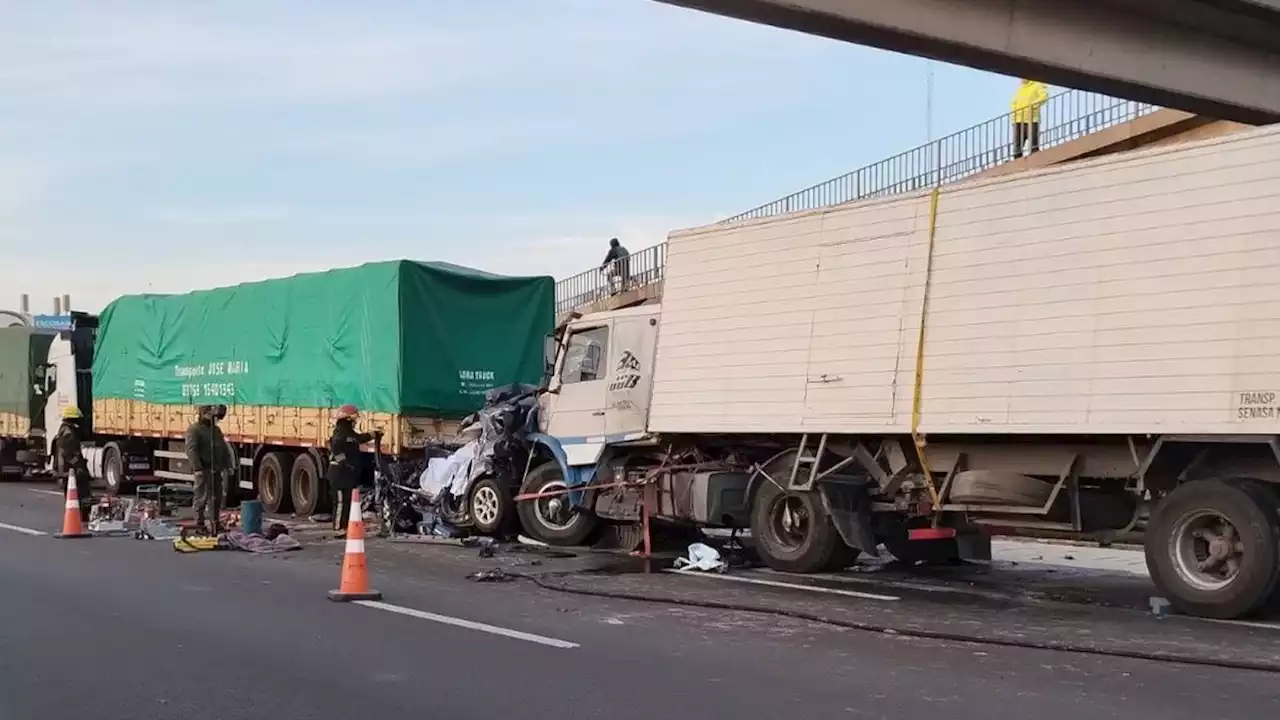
[(1064, 117), (636, 270)]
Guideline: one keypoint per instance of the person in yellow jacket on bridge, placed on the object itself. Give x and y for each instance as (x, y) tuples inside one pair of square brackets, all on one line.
[(1028, 98)]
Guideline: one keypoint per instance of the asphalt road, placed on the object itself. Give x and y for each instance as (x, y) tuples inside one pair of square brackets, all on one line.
[(110, 628)]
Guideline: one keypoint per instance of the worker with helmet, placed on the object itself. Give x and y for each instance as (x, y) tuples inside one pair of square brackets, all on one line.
[(210, 459), (69, 456), (344, 462)]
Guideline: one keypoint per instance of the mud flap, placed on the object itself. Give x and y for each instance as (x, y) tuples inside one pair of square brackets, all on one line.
[(850, 509)]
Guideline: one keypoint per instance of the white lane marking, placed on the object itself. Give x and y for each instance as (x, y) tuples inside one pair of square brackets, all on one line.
[(46, 492), (469, 625), (792, 586), (23, 530), (1244, 623)]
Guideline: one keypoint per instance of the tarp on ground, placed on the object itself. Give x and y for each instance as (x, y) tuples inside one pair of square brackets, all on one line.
[(398, 336), (21, 350)]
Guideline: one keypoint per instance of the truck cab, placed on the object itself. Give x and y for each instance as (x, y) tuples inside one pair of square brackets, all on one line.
[(600, 387)]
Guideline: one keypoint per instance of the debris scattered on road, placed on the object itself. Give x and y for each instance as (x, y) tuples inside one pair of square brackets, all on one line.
[(1160, 607), (494, 575), (236, 540), (702, 557), (526, 540)]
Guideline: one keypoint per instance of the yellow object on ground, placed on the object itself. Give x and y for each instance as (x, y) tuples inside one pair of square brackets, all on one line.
[(195, 544)]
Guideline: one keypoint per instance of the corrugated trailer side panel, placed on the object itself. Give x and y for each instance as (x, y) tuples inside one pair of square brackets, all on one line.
[(1130, 294)]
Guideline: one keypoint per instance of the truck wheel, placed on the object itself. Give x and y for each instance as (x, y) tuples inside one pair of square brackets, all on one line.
[(552, 519), (113, 469), (310, 492), (793, 532), (273, 470), (490, 506), (1213, 547)]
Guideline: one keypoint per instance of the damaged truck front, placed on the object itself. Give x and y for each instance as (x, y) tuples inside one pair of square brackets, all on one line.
[(1082, 349)]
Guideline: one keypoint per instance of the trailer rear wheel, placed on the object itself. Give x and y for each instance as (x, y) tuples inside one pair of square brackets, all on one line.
[(792, 530), (1213, 547), (273, 470), (310, 491)]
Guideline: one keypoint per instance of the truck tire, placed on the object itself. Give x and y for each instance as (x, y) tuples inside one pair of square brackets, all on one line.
[(273, 473), (1213, 547), (490, 506), (793, 532), (308, 489), (113, 470), (552, 520)]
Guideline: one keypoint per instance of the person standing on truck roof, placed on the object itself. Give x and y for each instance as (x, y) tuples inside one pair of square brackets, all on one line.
[(616, 262), (344, 463), (1027, 99), (70, 457), (210, 459)]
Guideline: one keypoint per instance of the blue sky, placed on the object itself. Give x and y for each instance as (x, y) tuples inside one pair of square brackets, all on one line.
[(165, 146)]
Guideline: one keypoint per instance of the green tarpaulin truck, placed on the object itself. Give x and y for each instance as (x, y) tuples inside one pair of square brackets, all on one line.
[(413, 345), (22, 421)]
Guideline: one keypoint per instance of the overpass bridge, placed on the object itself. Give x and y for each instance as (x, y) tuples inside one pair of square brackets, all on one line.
[(1074, 125), (1219, 58)]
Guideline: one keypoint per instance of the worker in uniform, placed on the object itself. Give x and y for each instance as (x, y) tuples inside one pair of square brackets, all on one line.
[(70, 457), (1027, 99), (210, 459), (344, 463)]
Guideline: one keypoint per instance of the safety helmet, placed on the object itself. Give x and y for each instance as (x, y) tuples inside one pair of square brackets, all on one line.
[(71, 412), (348, 411)]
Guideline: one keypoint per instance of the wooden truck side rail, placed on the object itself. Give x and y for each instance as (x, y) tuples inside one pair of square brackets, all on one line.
[(266, 424)]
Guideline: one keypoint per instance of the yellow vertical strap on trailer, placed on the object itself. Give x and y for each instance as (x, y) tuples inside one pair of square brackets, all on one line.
[(916, 437)]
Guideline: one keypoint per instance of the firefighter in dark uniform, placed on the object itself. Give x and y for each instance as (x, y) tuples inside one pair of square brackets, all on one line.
[(210, 459), (344, 463), (70, 458)]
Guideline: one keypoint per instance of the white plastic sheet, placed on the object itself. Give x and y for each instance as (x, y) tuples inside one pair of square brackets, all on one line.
[(702, 557)]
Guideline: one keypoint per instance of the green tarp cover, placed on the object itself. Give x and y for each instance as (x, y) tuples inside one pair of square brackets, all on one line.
[(399, 336), (21, 349)]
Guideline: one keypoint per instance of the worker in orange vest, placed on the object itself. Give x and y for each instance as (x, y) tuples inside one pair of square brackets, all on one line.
[(1028, 98)]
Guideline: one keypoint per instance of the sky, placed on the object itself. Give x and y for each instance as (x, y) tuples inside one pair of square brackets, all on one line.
[(161, 146)]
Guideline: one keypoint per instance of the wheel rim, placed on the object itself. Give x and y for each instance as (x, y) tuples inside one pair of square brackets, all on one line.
[(554, 512), (484, 505), (1206, 550), (789, 522), (305, 492)]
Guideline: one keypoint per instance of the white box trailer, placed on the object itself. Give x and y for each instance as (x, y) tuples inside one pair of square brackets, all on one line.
[(1134, 294), (1064, 349)]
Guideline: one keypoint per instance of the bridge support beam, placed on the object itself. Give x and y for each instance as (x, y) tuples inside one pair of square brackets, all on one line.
[(1201, 58)]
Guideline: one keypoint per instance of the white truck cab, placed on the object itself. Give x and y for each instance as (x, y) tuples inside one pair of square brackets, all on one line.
[(603, 377)]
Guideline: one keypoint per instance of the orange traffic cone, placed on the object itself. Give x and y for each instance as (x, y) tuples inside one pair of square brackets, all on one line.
[(355, 574), (71, 525)]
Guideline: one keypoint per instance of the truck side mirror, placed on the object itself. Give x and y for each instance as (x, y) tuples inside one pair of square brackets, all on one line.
[(549, 347)]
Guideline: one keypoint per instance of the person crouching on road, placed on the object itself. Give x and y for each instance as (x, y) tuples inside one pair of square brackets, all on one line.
[(70, 457), (344, 463), (210, 459)]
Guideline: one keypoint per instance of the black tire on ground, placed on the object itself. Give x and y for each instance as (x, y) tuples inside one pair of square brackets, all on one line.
[(812, 543), (273, 473), (552, 520), (491, 506), (1251, 510), (113, 470), (308, 488)]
